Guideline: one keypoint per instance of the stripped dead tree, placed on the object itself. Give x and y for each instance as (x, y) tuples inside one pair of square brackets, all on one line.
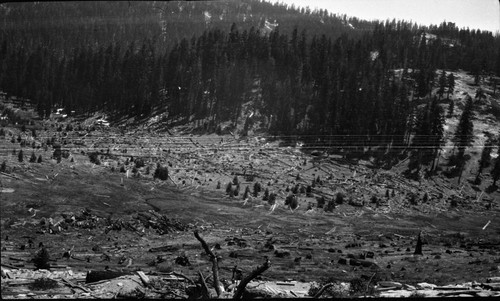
[(241, 287), (213, 259)]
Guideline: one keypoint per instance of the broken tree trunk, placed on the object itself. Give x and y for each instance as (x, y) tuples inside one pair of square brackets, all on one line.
[(241, 287), (215, 265)]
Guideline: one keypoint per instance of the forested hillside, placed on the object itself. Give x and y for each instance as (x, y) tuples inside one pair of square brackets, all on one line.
[(342, 81)]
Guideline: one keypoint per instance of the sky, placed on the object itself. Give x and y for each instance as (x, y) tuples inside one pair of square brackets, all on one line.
[(475, 14)]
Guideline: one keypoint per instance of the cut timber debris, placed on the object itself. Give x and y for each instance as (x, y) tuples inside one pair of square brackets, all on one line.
[(144, 278), (487, 224)]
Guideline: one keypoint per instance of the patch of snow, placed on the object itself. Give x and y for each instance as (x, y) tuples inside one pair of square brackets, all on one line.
[(207, 16), (374, 55)]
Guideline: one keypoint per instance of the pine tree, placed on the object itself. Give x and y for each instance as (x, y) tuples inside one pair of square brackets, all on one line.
[(33, 158), (451, 85), (161, 172), (39, 159), (20, 156), (484, 161), (451, 108), (442, 84), (495, 173), (463, 134), (436, 130)]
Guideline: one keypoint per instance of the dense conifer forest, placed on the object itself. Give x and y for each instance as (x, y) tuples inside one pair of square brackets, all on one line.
[(331, 80)]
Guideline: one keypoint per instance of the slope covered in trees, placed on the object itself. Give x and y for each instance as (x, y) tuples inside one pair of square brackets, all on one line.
[(312, 76)]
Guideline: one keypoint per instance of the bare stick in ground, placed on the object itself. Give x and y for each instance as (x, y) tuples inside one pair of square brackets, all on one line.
[(241, 287), (213, 259)]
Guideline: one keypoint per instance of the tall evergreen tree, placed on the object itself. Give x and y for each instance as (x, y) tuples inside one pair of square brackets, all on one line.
[(484, 161), (442, 84), (464, 134), (450, 84)]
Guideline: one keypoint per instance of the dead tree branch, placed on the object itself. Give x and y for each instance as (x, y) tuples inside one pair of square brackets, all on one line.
[(204, 292), (182, 276), (322, 290), (213, 259), (241, 287)]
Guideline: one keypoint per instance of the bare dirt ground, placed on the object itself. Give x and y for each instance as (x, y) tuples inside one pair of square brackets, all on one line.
[(100, 213)]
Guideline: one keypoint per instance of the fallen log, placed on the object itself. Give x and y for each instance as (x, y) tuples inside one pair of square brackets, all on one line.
[(72, 285), (94, 276), (7, 175), (164, 249)]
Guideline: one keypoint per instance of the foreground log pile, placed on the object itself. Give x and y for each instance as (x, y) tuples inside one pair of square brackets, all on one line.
[(22, 283)]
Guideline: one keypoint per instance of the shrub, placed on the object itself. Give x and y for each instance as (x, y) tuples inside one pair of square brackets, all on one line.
[(43, 284), (139, 163), (229, 188), (266, 195), (20, 156), (41, 259), (218, 185), (309, 190), (94, 158), (339, 198), (320, 201), (413, 199), (425, 198), (330, 206), (236, 191), (57, 154), (3, 167), (272, 199), (161, 172), (256, 189), (235, 180), (122, 169), (337, 290)]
